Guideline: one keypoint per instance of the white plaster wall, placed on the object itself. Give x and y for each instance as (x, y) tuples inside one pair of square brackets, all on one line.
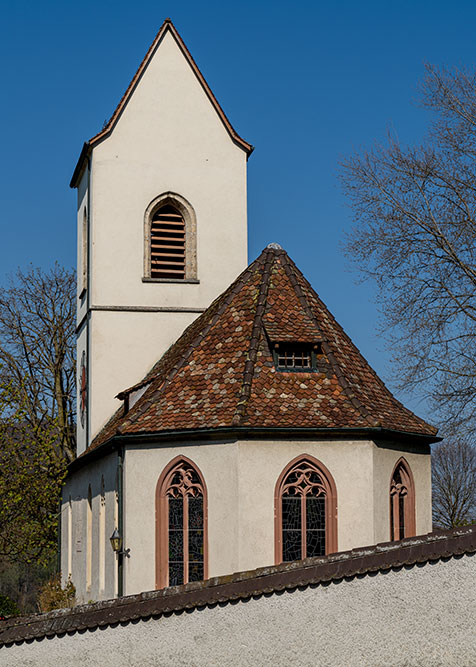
[(76, 487), (421, 616), (241, 478), (81, 428), (384, 462), (82, 206), (124, 347), (168, 138), (142, 468)]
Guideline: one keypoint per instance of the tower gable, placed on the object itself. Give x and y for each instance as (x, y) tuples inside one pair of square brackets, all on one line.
[(169, 39), (161, 221)]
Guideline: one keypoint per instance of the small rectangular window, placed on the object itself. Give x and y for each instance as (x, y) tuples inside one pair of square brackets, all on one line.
[(295, 356)]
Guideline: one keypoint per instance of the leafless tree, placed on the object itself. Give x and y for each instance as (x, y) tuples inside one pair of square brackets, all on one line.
[(415, 235), (454, 483), (37, 349)]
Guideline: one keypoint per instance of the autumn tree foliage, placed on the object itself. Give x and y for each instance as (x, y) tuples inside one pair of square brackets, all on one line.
[(32, 471), (37, 409)]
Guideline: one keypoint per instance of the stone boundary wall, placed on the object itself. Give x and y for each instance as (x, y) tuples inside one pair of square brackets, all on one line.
[(404, 603)]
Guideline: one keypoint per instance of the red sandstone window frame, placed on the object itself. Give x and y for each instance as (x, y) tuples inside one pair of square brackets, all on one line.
[(330, 506), (404, 490), (162, 523)]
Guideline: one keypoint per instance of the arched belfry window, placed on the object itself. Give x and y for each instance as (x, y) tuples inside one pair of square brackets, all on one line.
[(167, 244), (170, 240), (305, 511), (181, 525), (402, 502)]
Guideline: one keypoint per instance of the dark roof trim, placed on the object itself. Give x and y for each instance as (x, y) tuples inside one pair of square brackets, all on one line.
[(80, 165), (243, 585), (289, 267), (166, 26), (227, 432), (249, 369)]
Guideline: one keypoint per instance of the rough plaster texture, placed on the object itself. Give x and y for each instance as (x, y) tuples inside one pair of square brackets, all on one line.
[(74, 539), (416, 616), (241, 478), (384, 460), (197, 160)]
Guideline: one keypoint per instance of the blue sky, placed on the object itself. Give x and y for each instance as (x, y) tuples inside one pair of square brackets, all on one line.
[(306, 83)]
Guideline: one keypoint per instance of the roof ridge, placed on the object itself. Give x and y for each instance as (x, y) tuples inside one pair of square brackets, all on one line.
[(143, 405), (289, 268), (248, 374)]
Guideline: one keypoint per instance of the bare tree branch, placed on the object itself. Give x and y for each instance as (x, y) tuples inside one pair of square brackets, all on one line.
[(37, 349), (454, 483), (415, 235)]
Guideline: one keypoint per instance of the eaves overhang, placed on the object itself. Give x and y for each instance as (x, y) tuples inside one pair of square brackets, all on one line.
[(163, 438)]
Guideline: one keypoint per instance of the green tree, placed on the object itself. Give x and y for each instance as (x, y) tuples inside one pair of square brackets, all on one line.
[(8, 608), (32, 471)]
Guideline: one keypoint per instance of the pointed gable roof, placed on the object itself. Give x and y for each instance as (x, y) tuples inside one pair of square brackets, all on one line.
[(221, 373), (167, 26)]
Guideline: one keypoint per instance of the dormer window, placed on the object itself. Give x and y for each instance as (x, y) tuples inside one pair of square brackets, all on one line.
[(297, 357)]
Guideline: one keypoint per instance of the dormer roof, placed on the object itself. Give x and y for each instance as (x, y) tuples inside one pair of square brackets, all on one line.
[(167, 26), (221, 373)]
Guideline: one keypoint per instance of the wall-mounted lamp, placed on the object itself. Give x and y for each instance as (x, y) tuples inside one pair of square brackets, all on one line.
[(116, 544)]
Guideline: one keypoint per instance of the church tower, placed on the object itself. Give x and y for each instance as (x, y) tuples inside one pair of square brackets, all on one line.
[(161, 224)]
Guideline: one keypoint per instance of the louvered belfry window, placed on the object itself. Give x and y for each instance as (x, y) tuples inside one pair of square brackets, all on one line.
[(167, 244)]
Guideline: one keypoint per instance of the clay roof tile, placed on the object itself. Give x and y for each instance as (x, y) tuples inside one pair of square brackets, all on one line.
[(221, 371)]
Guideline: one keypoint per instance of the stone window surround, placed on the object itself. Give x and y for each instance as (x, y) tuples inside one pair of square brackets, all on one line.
[(409, 500), (190, 219), (331, 505), (162, 520)]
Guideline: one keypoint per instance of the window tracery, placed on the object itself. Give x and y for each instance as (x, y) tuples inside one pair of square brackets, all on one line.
[(182, 534), (306, 511), (402, 502)]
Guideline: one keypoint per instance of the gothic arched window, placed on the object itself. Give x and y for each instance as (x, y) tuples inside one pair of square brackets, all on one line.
[(402, 502), (305, 511), (170, 240), (181, 525)]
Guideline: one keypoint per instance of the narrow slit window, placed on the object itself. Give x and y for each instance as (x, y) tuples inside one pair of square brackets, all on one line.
[(402, 502), (167, 244)]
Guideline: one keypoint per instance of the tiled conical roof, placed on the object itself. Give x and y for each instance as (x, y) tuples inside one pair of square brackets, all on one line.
[(221, 371)]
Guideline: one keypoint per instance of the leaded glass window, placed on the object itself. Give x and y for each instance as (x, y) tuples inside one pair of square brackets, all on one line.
[(183, 513), (402, 503), (304, 496)]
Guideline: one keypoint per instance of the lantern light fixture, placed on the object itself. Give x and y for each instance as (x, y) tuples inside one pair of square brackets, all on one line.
[(116, 544)]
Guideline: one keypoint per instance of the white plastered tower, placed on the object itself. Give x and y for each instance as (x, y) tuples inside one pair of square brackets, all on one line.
[(167, 141)]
